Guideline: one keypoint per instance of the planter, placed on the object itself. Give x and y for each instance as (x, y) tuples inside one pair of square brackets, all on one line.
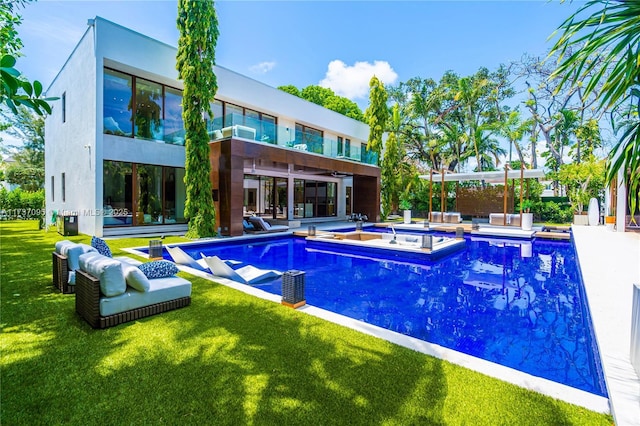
[(610, 222), (580, 219), (407, 216), (527, 221)]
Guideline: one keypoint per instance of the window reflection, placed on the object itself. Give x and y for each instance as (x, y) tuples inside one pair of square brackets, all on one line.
[(117, 103), (159, 192), (173, 124), (117, 193), (148, 117)]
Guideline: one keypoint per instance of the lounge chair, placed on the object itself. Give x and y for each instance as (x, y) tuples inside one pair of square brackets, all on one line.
[(246, 274), (180, 257), (262, 226)]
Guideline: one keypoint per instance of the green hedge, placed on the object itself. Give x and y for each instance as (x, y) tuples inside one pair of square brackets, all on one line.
[(19, 204)]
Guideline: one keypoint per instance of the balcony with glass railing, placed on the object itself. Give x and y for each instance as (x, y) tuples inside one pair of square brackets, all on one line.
[(244, 127)]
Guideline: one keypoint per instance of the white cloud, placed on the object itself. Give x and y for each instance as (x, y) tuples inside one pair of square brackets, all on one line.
[(262, 67), (352, 82)]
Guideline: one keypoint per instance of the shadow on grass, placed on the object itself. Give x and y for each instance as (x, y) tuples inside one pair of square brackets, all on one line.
[(229, 358)]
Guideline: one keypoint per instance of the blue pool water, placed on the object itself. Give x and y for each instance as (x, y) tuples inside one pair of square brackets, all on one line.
[(517, 303)]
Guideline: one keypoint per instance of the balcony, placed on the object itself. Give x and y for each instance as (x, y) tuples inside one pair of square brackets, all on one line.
[(243, 127)]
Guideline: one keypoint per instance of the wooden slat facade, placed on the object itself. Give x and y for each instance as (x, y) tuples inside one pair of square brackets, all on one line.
[(227, 158)]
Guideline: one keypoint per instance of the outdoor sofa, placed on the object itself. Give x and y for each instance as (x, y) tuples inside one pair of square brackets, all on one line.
[(498, 219), (449, 217), (65, 260), (114, 291), (262, 226)]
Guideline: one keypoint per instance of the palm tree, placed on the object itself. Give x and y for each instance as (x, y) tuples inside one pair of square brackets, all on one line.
[(612, 34)]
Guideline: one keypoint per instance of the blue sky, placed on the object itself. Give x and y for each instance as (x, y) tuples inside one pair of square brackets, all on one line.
[(332, 43)]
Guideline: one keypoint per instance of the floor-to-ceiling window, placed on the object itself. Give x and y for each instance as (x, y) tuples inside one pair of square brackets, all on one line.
[(314, 199), (118, 194), (265, 196), (135, 107), (142, 194)]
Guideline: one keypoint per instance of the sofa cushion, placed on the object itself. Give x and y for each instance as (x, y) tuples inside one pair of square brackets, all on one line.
[(134, 277), (73, 253), (100, 245), (161, 290), (63, 245), (159, 269), (107, 270)]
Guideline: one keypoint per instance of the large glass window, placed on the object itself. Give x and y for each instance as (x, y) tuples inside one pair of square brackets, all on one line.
[(232, 114), (268, 129), (314, 199), (148, 117), (117, 103), (173, 124), (310, 138), (158, 198), (265, 196), (175, 196), (149, 194), (217, 121), (118, 194)]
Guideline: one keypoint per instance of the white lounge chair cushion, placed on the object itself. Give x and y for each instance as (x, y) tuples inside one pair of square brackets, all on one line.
[(247, 274), (182, 258), (262, 225)]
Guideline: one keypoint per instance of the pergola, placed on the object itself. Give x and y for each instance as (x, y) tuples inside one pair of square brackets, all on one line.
[(489, 177)]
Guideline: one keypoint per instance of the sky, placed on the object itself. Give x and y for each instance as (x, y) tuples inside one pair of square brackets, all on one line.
[(335, 44)]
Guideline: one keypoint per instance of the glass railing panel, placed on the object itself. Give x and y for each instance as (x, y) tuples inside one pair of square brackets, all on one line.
[(251, 128)]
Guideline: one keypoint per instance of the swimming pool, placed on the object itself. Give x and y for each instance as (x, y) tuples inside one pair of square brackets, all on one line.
[(517, 303)]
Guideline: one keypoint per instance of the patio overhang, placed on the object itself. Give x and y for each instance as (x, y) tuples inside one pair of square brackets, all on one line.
[(490, 177)]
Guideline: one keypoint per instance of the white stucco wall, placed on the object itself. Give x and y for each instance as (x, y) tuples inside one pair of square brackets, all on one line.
[(70, 147), (78, 147)]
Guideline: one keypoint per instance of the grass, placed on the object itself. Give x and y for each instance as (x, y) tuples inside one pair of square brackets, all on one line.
[(229, 358)]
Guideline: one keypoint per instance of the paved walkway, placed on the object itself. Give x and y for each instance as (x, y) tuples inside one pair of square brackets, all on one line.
[(610, 264)]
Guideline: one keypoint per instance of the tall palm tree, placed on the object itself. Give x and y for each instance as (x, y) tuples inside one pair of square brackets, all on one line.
[(612, 33)]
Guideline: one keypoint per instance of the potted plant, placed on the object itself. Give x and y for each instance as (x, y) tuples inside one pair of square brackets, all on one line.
[(405, 205), (582, 182), (610, 219), (527, 216)]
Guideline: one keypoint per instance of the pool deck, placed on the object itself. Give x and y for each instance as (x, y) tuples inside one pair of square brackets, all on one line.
[(610, 264)]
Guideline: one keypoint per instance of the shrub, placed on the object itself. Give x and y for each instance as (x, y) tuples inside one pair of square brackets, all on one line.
[(550, 211), (19, 204)]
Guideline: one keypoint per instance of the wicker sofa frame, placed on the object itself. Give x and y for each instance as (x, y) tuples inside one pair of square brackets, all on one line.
[(88, 304), (61, 274)]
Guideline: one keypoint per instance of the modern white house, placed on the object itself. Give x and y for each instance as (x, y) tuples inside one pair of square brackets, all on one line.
[(115, 155)]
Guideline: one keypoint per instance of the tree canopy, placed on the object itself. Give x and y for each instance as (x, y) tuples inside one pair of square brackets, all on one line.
[(600, 52), (15, 89), (327, 98)]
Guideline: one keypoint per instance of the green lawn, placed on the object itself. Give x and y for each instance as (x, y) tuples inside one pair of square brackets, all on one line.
[(229, 358)]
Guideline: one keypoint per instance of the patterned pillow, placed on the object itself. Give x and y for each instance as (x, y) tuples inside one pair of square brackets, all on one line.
[(100, 245), (159, 269)]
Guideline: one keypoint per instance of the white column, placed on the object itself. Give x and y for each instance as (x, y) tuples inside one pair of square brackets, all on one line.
[(290, 199), (621, 203)]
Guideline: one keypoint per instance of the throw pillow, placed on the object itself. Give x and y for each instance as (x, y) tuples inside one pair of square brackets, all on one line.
[(135, 278), (100, 245), (159, 269)]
